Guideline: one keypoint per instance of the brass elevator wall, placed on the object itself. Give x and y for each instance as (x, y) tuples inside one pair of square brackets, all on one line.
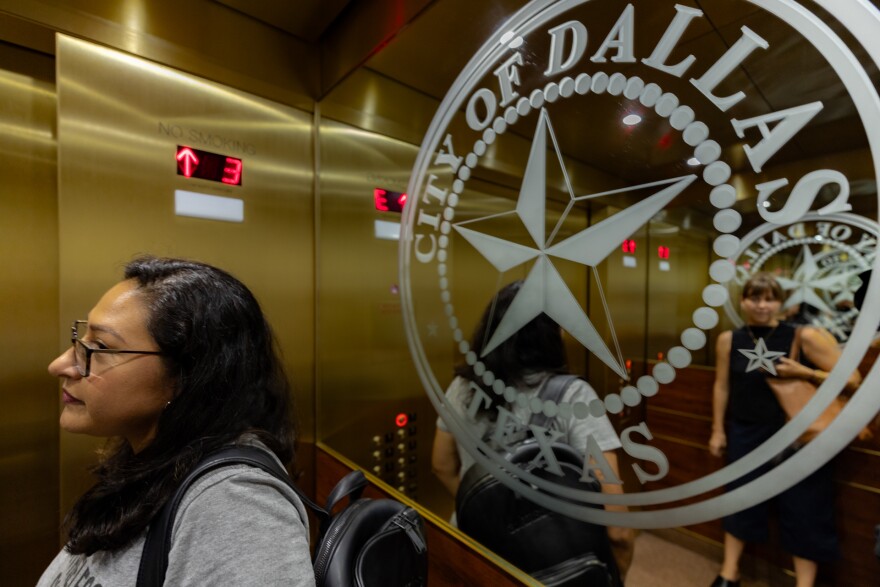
[(29, 300), (308, 246), (201, 37), (121, 119)]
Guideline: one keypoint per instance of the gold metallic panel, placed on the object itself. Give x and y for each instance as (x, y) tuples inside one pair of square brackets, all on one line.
[(675, 285), (361, 31), (199, 36), (365, 371), (28, 297), (121, 119)]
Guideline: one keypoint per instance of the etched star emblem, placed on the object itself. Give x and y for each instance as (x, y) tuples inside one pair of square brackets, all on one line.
[(807, 279), (544, 289), (761, 358)]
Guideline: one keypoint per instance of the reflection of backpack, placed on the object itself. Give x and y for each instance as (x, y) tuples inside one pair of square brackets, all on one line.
[(369, 543), (557, 550)]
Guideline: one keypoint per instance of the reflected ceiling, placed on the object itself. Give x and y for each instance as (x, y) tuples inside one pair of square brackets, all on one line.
[(305, 19), (429, 42), (405, 61)]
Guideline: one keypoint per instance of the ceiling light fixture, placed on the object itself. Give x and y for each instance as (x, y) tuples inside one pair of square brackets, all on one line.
[(693, 162), (632, 119)]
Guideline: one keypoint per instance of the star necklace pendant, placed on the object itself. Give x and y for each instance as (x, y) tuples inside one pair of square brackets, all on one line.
[(761, 357)]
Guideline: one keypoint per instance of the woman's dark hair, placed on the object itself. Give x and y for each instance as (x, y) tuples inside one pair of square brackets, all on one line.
[(219, 353), (763, 283), (534, 348)]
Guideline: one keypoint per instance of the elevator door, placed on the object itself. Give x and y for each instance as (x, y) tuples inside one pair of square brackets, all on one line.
[(29, 299)]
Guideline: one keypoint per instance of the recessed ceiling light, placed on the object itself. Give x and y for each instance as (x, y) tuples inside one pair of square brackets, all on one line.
[(693, 162), (632, 119), (765, 203)]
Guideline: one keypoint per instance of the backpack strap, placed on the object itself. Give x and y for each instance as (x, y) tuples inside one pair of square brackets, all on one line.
[(352, 485), (154, 559), (552, 389)]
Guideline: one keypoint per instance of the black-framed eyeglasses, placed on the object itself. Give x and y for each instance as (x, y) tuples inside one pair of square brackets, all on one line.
[(83, 352)]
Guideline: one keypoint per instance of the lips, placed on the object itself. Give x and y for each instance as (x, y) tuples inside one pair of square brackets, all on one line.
[(69, 399)]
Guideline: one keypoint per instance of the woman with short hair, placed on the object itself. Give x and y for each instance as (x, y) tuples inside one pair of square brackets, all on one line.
[(746, 413)]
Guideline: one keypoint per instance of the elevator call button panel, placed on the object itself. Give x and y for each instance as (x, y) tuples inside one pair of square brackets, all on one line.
[(395, 455)]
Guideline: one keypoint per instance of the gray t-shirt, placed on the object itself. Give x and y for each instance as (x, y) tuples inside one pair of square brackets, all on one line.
[(574, 430), (237, 525)]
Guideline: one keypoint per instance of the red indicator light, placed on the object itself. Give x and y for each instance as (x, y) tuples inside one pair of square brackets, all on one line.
[(401, 420), (232, 171), (388, 201), (665, 141), (199, 164), (629, 246), (663, 252), (186, 161), (380, 199), (629, 365)]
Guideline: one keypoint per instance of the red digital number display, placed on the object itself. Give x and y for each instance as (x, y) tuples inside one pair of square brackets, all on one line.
[(629, 246), (663, 252), (388, 201), (211, 166)]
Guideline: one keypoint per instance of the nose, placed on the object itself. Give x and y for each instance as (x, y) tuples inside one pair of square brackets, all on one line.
[(64, 365)]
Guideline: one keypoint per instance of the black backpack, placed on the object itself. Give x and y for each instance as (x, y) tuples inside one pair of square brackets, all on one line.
[(557, 550), (355, 547)]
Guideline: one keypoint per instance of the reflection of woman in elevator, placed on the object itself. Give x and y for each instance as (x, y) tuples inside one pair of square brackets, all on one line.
[(525, 361), (176, 361), (746, 413)]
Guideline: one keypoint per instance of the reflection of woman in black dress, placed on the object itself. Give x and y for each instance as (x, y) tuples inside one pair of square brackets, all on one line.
[(746, 413)]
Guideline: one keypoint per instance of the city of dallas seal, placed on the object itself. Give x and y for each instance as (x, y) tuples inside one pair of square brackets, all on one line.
[(574, 127)]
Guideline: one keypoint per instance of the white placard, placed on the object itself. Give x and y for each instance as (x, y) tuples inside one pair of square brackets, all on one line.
[(386, 230), (207, 206)]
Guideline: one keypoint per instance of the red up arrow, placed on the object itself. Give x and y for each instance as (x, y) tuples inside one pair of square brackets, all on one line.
[(187, 161)]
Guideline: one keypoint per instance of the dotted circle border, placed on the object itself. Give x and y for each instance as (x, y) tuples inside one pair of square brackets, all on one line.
[(716, 173)]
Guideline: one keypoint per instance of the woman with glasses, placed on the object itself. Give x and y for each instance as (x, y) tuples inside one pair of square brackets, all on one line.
[(174, 362)]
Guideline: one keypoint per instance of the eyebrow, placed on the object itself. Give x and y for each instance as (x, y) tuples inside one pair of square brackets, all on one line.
[(106, 329)]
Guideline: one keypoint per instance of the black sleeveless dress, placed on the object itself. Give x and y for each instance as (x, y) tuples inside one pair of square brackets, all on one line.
[(751, 399), (806, 510)]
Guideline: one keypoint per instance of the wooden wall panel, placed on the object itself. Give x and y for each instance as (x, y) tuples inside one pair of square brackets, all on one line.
[(679, 425), (689, 392), (858, 511), (680, 418)]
